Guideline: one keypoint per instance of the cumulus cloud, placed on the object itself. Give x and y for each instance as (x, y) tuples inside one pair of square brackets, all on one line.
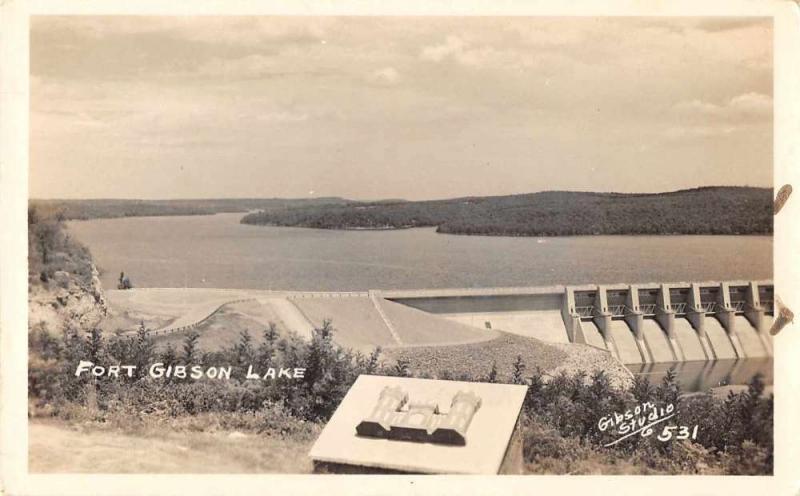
[(388, 76), (253, 31), (755, 104), (745, 107), (552, 33), (453, 46), (462, 52), (702, 119), (678, 133), (503, 88)]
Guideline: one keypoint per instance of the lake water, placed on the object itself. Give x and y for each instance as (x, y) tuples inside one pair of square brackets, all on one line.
[(702, 376), (216, 251)]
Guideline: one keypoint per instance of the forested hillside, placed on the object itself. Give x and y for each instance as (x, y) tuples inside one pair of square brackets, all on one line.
[(709, 210), (100, 209)]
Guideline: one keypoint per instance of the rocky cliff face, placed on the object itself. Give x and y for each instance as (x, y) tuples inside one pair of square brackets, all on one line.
[(65, 301)]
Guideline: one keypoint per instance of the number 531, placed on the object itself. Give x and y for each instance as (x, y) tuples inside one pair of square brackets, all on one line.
[(678, 432)]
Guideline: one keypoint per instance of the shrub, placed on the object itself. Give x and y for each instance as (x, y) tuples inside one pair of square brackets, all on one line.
[(560, 414)]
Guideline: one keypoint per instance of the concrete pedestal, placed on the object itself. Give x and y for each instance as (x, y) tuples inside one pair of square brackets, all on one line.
[(492, 441)]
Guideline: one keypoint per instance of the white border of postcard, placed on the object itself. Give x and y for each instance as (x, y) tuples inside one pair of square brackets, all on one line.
[(15, 480)]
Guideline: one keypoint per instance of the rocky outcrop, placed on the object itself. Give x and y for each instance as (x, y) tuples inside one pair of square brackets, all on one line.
[(65, 301), (588, 359)]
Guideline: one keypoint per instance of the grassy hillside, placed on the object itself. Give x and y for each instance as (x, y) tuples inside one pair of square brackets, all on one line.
[(709, 210), (99, 209)]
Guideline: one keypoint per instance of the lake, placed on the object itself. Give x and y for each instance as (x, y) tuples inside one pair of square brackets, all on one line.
[(216, 251), (702, 376)]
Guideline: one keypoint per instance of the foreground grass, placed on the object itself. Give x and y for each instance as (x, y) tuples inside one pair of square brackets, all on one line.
[(58, 447)]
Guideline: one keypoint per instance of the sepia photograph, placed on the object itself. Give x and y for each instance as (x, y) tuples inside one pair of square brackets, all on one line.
[(276, 244)]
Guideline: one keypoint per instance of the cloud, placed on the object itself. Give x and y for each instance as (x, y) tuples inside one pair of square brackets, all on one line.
[(552, 33), (388, 76), (214, 30), (282, 117), (255, 66), (498, 88), (462, 52), (701, 119), (755, 104), (746, 107), (243, 67), (679, 132), (253, 31), (453, 46), (714, 25)]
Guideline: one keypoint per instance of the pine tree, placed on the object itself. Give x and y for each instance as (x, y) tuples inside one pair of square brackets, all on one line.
[(401, 368), (749, 409), (314, 361), (642, 389), (536, 386), (267, 349), (169, 356), (244, 348), (600, 389), (371, 365), (326, 331), (144, 349), (519, 369), (95, 349), (190, 351), (669, 391)]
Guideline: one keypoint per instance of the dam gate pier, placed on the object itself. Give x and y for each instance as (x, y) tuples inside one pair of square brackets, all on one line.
[(637, 323)]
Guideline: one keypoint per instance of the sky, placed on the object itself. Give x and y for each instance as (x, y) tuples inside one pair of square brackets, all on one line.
[(396, 107)]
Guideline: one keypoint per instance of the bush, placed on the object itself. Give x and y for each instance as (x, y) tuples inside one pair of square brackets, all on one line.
[(559, 419), (330, 370)]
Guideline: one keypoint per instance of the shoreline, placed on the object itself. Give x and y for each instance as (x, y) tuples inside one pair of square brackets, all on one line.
[(436, 229)]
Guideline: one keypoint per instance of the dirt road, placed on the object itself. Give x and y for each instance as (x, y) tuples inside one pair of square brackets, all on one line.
[(56, 447)]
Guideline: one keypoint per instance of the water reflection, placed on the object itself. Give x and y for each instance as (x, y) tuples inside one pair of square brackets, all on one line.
[(704, 375)]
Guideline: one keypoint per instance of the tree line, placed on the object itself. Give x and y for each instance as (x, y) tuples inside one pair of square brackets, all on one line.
[(104, 209), (709, 210)]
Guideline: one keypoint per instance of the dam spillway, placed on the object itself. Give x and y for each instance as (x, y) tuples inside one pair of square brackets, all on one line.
[(638, 324), (658, 343), (691, 348), (641, 325), (720, 340)]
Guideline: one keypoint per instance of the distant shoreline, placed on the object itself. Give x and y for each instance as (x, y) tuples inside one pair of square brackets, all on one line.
[(433, 228), (501, 235), (726, 210)]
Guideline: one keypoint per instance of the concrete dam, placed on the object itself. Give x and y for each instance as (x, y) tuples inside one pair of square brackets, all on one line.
[(638, 324)]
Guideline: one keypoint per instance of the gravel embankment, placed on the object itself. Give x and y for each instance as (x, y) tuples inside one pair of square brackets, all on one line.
[(475, 360)]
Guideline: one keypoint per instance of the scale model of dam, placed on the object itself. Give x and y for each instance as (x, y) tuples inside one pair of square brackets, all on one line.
[(642, 323)]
